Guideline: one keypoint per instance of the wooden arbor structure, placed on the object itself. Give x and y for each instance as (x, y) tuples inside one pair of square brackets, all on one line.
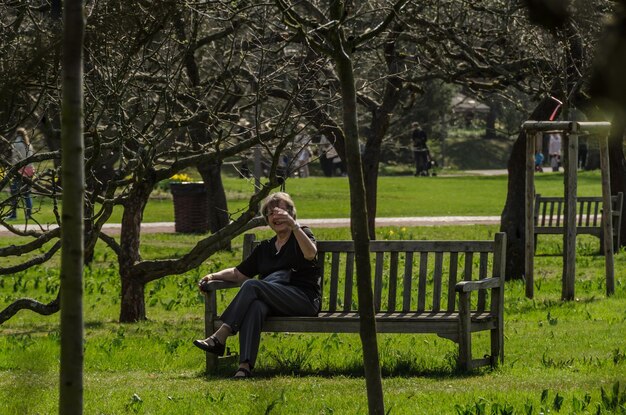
[(571, 130)]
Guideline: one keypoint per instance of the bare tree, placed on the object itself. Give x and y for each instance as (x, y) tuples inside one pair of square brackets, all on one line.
[(154, 108)]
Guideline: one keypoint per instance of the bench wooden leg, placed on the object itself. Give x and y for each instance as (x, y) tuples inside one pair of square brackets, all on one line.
[(210, 314), (465, 335), (497, 334)]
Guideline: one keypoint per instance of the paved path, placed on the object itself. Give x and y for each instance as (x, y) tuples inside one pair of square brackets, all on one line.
[(164, 227)]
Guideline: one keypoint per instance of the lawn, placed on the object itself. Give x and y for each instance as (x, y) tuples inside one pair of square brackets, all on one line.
[(397, 196), (559, 356)]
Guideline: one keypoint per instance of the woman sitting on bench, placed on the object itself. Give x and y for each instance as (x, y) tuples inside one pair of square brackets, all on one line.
[(288, 284)]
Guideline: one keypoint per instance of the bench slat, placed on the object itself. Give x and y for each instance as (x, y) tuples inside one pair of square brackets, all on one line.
[(393, 281), (467, 268), (452, 277), (437, 281), (407, 283), (347, 295), (334, 282), (596, 211), (438, 323), (482, 274), (378, 280), (421, 284)]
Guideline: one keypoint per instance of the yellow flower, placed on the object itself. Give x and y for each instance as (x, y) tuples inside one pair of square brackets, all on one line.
[(181, 177)]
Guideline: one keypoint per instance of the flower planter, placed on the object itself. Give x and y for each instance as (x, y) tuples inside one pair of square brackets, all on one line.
[(190, 207)]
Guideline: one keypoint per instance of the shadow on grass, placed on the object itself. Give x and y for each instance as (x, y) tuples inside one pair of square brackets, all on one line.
[(402, 369)]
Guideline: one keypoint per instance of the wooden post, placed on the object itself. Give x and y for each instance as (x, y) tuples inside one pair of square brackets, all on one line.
[(465, 332), (569, 222), (497, 299), (529, 245), (607, 216)]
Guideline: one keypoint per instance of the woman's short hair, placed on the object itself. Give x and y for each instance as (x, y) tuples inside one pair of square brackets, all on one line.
[(274, 200)]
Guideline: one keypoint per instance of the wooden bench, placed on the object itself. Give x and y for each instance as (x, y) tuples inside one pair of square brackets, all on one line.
[(549, 214), (449, 288)]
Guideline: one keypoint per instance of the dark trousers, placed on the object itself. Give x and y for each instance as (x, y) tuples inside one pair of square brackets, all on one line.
[(21, 189), (256, 300)]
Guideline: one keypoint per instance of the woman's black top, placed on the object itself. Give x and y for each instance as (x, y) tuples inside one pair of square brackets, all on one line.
[(265, 260)]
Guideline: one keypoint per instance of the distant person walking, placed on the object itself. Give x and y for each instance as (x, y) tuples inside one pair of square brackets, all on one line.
[(20, 150), (582, 153), (420, 150), (539, 161), (554, 149), (332, 165)]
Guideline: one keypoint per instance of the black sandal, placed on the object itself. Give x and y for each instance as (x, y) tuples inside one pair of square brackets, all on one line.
[(217, 347), (246, 373)]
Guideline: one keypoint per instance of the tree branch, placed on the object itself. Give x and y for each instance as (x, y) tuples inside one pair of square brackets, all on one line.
[(40, 259), (30, 304)]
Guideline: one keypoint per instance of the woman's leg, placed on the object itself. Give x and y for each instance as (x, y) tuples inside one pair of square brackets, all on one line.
[(254, 301), (250, 333), (28, 203), (282, 299), (15, 190)]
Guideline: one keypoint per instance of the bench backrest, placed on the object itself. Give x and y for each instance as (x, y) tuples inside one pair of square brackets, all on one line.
[(409, 276), (549, 210)]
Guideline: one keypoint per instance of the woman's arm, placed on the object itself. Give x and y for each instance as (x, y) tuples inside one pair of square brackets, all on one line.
[(308, 247), (228, 274)]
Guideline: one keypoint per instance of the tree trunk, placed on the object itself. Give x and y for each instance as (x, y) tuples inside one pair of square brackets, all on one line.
[(73, 150), (380, 125), (133, 301), (513, 219), (216, 198), (132, 307), (359, 229), (490, 128)]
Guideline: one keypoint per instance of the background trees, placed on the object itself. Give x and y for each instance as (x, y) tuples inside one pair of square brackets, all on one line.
[(165, 89), (179, 86)]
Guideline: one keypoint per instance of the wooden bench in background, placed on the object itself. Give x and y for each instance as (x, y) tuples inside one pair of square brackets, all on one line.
[(448, 288), (549, 211)]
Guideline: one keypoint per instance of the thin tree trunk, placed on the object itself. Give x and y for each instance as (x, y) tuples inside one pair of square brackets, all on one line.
[(379, 126), (71, 371), (360, 235)]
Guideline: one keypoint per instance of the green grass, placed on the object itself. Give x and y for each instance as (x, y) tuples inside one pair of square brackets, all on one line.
[(570, 350), (321, 197)]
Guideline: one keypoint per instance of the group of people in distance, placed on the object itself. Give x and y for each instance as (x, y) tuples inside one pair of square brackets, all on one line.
[(554, 152)]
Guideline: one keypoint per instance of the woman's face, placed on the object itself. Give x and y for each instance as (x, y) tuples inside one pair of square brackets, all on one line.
[(278, 219)]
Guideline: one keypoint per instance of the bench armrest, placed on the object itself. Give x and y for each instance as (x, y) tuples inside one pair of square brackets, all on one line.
[(217, 285), (487, 283)]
